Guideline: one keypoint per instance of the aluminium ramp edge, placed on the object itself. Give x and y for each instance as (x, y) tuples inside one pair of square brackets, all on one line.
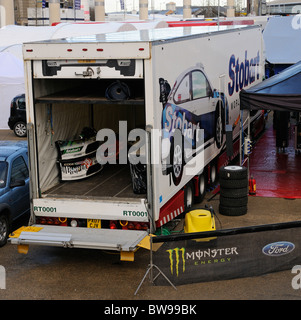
[(68, 237)]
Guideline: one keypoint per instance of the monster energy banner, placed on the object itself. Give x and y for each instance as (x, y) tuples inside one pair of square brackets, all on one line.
[(234, 253)]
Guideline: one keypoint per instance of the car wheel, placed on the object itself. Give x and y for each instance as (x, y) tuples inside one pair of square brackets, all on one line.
[(202, 185), (219, 132), (233, 184), (233, 172), (234, 202), (233, 190), (189, 196), (177, 158), (20, 129), (233, 211), (234, 193), (4, 230), (213, 173)]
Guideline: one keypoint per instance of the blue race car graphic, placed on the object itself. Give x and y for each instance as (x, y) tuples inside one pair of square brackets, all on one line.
[(189, 106)]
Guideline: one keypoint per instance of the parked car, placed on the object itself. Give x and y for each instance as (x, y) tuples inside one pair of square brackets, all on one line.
[(14, 185), (17, 119)]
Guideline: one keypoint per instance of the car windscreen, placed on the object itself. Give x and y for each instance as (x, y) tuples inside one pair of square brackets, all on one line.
[(3, 173)]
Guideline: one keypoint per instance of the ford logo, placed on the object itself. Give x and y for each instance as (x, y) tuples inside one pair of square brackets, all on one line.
[(278, 248)]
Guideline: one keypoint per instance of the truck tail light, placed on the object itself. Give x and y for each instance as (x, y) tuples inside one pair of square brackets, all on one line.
[(131, 226), (138, 226), (128, 225), (113, 224), (145, 226), (141, 226), (52, 221)]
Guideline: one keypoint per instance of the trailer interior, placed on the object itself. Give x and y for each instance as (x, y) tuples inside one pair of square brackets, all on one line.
[(62, 109)]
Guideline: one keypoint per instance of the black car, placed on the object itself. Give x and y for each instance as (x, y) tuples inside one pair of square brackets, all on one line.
[(17, 119)]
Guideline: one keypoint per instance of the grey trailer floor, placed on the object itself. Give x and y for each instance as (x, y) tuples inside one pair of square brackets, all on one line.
[(113, 181)]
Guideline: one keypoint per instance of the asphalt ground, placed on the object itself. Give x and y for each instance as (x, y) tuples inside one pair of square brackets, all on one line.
[(9, 135), (49, 273)]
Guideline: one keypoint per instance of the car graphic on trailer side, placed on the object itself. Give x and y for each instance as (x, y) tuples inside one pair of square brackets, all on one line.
[(191, 104)]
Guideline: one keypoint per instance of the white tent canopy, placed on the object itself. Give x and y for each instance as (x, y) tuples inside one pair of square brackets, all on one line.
[(282, 40), (11, 83)]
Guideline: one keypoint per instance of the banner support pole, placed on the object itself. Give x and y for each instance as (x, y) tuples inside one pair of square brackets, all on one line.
[(150, 269)]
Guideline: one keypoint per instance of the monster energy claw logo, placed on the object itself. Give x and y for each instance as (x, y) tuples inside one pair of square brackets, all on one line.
[(177, 260)]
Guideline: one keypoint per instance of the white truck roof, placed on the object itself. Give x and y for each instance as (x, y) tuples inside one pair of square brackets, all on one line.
[(140, 38)]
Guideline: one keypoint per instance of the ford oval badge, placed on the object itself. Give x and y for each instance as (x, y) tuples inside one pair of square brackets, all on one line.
[(278, 248)]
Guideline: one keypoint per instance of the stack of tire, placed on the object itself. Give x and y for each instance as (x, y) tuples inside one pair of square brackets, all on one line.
[(233, 190)]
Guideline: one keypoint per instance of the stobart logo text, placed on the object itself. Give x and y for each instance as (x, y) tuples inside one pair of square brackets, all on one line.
[(242, 72)]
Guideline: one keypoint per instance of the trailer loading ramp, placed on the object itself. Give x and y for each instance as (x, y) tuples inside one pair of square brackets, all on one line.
[(69, 237)]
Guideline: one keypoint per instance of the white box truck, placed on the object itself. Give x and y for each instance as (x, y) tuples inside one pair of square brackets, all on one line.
[(167, 94)]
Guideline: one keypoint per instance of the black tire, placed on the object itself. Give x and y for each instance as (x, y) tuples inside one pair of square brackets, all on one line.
[(213, 173), (4, 230), (233, 173), (20, 129), (177, 157), (234, 193), (233, 184), (118, 91), (233, 211), (218, 129), (189, 196), (202, 185), (234, 202)]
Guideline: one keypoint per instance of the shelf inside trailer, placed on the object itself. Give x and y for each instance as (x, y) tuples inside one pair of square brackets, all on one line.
[(94, 92), (85, 98)]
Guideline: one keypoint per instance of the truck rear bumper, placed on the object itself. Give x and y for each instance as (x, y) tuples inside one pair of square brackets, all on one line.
[(68, 237)]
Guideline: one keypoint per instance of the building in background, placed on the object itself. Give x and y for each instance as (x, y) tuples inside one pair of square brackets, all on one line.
[(36, 12), (282, 7)]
